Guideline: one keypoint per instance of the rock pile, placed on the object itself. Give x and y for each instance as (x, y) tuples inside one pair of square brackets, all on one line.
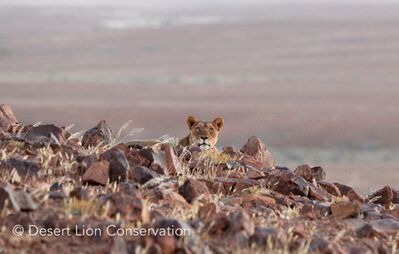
[(235, 201)]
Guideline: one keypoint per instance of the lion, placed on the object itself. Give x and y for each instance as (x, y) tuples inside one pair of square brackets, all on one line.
[(203, 134)]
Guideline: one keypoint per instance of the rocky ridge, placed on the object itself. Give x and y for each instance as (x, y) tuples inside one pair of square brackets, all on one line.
[(235, 201)]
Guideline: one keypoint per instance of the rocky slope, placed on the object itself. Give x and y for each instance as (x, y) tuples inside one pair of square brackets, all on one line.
[(88, 193)]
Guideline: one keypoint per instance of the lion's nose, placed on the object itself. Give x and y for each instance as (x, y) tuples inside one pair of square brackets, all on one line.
[(204, 138)]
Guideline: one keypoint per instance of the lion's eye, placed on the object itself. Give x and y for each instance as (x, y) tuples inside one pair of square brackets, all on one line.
[(212, 129), (197, 129)]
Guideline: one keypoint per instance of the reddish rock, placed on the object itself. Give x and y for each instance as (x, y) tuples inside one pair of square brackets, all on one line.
[(100, 134), (349, 192), (128, 206), (344, 210), (23, 167), (254, 200), (315, 211), (330, 188), (136, 159), (382, 196), (241, 222), (7, 117), (84, 162), (172, 161), (192, 189), (118, 164), (97, 173), (318, 193), (162, 159), (46, 133), (310, 173), (286, 182), (256, 154), (218, 224), (142, 175)]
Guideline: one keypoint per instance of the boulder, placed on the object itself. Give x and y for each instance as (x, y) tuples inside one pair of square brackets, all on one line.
[(97, 173), (192, 189), (349, 192), (46, 133), (19, 199), (7, 117), (142, 175), (23, 167), (310, 173), (344, 210), (263, 236), (131, 207), (330, 188), (385, 226), (118, 164), (251, 200), (286, 182), (241, 227), (256, 154), (382, 196), (100, 134)]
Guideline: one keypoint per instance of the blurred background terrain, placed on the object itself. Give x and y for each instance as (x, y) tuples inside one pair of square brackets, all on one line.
[(317, 81)]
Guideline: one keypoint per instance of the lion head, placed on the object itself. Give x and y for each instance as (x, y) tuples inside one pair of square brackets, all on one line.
[(204, 134)]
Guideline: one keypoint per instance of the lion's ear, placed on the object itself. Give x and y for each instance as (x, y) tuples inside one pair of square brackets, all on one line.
[(191, 121), (218, 122)]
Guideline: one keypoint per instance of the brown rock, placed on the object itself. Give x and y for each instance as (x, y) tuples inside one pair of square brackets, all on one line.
[(316, 211), (118, 164), (344, 210), (100, 134), (286, 182), (171, 160), (7, 117), (349, 192), (46, 133), (382, 196), (330, 188), (84, 162), (19, 199), (128, 206), (263, 236), (192, 189), (310, 173), (142, 175), (241, 222), (256, 154), (218, 224), (318, 194), (254, 200), (97, 173), (232, 201), (23, 167), (136, 159)]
